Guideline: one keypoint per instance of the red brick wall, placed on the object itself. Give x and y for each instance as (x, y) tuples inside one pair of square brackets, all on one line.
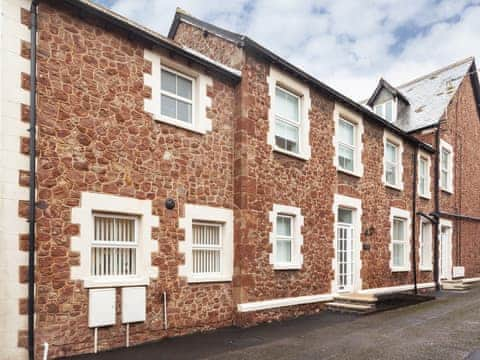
[(94, 136), (462, 130)]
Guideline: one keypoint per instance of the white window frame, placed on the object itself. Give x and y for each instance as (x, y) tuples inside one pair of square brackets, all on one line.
[(450, 171), (287, 121), (383, 107), (343, 114), (290, 238), (201, 100), (396, 213), (207, 214), (275, 79), (93, 203), (347, 202), (422, 156), (423, 266), (390, 138), (297, 242), (177, 97)]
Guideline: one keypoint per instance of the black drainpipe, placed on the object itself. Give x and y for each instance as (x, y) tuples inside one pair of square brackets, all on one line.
[(414, 220), (32, 196), (436, 208)]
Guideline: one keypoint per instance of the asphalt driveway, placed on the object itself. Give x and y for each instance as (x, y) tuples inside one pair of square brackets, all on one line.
[(445, 328)]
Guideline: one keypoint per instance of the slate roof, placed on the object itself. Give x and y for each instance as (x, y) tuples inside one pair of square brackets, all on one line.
[(430, 95)]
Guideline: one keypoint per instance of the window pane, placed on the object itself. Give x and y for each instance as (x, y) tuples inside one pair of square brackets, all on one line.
[(346, 132), (379, 110), (391, 174), (169, 106), (398, 229), (391, 152), (286, 136), (286, 105), (423, 168), (169, 81), (445, 159), (184, 87), (389, 110), (184, 111), (345, 157), (398, 254), (284, 251), (284, 226), (206, 248), (345, 216), (444, 179)]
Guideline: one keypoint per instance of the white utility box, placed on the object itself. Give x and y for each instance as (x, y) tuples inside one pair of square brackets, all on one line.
[(133, 304), (458, 272), (101, 307)]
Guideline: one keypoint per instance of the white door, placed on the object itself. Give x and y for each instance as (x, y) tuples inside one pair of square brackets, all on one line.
[(345, 249), (445, 252)]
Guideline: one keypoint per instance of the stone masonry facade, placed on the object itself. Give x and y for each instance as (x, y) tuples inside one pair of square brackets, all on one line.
[(95, 136)]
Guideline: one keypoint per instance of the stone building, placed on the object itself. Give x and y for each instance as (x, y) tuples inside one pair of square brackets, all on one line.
[(198, 181)]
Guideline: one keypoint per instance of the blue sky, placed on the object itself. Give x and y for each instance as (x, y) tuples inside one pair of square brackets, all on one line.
[(348, 44)]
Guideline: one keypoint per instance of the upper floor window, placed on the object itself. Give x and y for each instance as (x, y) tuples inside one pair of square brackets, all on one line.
[(287, 120), (393, 167), (424, 176), (346, 145), (385, 110), (446, 167), (176, 96), (288, 115)]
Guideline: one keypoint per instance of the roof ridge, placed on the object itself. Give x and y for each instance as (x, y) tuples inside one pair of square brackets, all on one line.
[(438, 71)]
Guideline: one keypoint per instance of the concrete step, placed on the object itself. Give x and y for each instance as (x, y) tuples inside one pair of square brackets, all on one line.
[(455, 285), (356, 298), (350, 308)]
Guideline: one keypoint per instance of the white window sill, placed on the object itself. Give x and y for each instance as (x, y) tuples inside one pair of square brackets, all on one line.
[(426, 196), (426, 268), (448, 191), (209, 279), (111, 281), (348, 172), (401, 269), (287, 267), (179, 124), (292, 154), (394, 187)]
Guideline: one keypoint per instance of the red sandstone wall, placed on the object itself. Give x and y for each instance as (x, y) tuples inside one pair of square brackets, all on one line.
[(94, 136)]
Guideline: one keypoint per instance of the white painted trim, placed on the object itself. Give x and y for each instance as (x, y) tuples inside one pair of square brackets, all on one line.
[(424, 155), (448, 147), (449, 224), (278, 77), (206, 213), (276, 303), (356, 206), (422, 266), (297, 256), (94, 202), (12, 128), (356, 119), (387, 136), (201, 104), (404, 214), (395, 289)]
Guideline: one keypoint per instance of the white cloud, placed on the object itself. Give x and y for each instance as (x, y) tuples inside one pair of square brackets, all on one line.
[(346, 44)]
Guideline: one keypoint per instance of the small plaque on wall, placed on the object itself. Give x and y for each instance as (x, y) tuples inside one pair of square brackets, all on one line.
[(366, 247)]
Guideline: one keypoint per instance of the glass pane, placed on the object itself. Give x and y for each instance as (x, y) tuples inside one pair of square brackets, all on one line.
[(445, 159), (168, 81), (284, 251), (346, 132), (169, 106), (391, 152), (184, 111), (398, 254), (398, 229), (345, 216), (391, 174), (184, 87), (444, 179), (345, 157), (286, 136), (423, 168), (286, 105), (389, 111), (284, 226), (379, 110)]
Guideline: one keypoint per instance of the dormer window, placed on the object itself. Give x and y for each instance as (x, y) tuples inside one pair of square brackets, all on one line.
[(385, 110)]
